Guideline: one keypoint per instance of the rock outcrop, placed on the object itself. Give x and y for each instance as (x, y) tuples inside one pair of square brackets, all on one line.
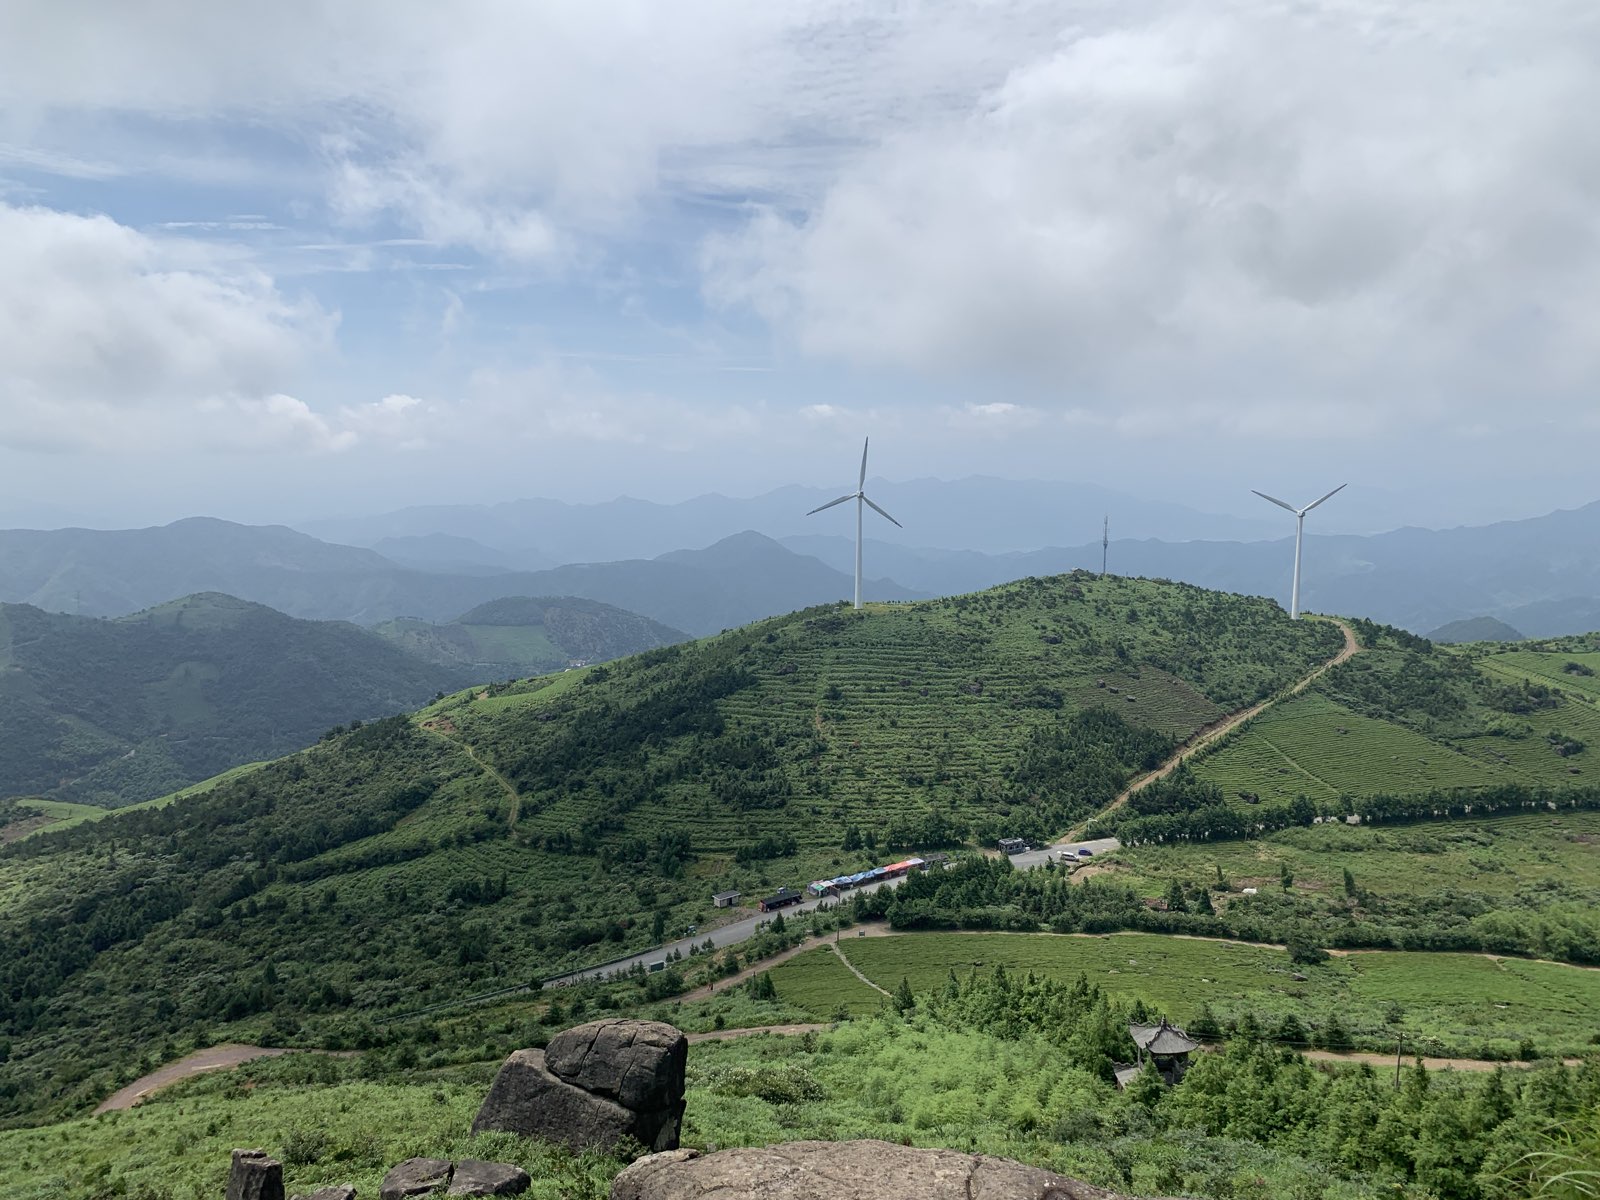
[(416, 1177), (440, 1177), (474, 1177), (594, 1086), (254, 1176), (843, 1171)]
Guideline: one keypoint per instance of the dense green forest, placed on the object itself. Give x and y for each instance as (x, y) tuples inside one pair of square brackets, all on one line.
[(112, 712)]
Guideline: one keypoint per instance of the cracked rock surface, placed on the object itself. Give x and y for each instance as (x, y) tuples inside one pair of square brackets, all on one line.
[(863, 1170), (595, 1086)]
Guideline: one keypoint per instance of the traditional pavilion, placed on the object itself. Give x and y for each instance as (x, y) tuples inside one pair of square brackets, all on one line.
[(1166, 1045)]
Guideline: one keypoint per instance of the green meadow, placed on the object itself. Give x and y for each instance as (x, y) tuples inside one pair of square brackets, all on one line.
[(1314, 746), (1467, 1005), (1552, 854)]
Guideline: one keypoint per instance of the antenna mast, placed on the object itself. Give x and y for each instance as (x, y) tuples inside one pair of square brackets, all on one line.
[(1105, 546)]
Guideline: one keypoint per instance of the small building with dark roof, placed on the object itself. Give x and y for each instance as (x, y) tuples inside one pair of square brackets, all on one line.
[(725, 899), (782, 898), (1165, 1045)]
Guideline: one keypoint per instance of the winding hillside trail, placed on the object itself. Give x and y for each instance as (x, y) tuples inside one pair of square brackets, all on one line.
[(854, 970), (783, 956), (446, 728), (212, 1058), (1208, 735), (727, 1035)]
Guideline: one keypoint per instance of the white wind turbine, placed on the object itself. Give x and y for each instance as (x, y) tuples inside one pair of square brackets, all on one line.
[(1299, 531), (860, 497)]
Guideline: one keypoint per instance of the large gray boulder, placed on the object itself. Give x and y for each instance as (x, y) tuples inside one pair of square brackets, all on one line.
[(252, 1175), (843, 1171), (527, 1099), (474, 1177), (594, 1086), (639, 1064), (416, 1177)]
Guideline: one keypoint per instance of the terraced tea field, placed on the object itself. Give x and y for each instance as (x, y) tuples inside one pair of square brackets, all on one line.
[(885, 719), (1549, 667), (1467, 1005), (818, 982), (1550, 854), (1313, 746)]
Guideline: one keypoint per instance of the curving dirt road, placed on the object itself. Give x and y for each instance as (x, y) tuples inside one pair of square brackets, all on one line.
[(727, 1035), (212, 1058), (1220, 728), (1433, 1064)]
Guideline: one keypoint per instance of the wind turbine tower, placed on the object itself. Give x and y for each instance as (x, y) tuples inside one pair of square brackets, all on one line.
[(860, 497), (1299, 533), (1105, 546)]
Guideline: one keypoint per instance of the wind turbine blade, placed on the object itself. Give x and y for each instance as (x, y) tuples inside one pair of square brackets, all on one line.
[(1335, 491), (831, 503), (1278, 502), (863, 482), (883, 514)]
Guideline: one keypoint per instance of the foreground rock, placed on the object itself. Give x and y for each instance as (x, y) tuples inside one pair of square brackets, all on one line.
[(474, 1177), (254, 1176), (594, 1086), (843, 1171), (416, 1177)]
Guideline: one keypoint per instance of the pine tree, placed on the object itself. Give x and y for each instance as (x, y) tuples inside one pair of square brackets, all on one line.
[(904, 1001), (1147, 1087), (1175, 900)]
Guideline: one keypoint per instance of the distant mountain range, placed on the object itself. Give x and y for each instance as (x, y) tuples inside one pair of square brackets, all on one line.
[(1540, 575), (526, 635), (989, 515), (110, 573), (113, 712), (1475, 629)]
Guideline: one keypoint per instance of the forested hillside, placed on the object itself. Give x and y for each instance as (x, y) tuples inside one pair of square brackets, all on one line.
[(114, 712), (513, 830), (530, 635)]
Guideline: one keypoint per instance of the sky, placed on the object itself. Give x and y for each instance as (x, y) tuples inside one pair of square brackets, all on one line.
[(271, 262)]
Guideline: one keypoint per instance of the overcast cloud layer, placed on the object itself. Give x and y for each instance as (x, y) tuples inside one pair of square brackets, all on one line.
[(274, 260)]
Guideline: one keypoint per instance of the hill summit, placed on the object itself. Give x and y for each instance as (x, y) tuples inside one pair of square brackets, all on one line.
[(513, 831)]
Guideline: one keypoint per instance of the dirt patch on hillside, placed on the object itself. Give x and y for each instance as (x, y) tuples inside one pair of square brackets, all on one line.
[(213, 1058), (440, 725), (724, 1035), (18, 830)]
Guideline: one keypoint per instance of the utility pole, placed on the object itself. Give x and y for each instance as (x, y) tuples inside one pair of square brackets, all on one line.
[(1399, 1045), (1105, 546)]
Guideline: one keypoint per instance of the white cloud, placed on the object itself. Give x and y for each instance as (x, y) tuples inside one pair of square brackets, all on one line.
[(276, 423), (106, 333), (1257, 218), (1226, 209)]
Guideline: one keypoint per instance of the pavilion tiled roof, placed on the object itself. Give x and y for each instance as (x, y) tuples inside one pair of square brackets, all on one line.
[(1162, 1039)]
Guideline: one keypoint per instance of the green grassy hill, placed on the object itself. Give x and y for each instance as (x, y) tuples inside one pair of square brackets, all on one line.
[(527, 635), (1406, 717), (514, 830), (116, 712)]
